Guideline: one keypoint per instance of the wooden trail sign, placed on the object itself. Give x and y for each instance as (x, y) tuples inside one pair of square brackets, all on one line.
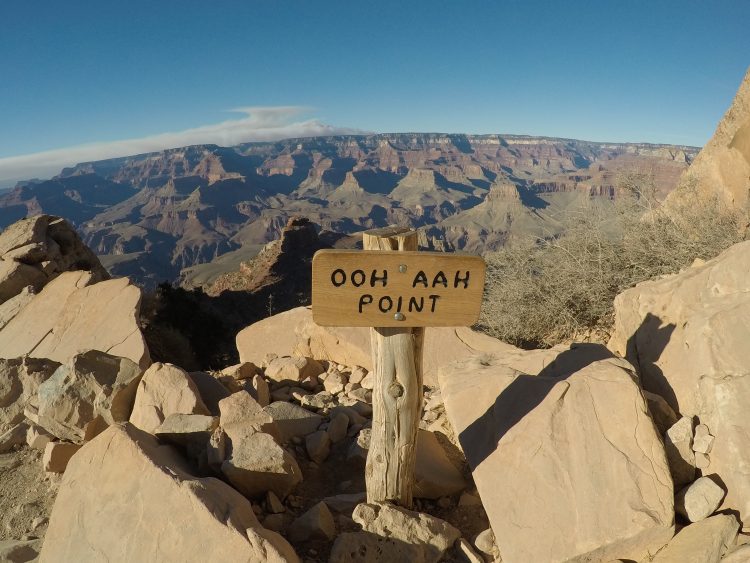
[(396, 291)]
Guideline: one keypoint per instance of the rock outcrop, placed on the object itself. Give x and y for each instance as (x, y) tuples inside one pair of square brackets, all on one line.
[(70, 315), (124, 497), (20, 379), (687, 336), (36, 250), (722, 167), (538, 446)]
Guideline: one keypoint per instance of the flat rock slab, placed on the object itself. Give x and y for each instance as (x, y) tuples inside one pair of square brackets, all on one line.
[(125, 497), (537, 445), (703, 542)]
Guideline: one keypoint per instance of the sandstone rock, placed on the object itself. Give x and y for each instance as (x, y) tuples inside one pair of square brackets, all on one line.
[(485, 542), (678, 443), (663, 415), (359, 448), (318, 445), (335, 382), (468, 552), (435, 476), (432, 535), (353, 416), (273, 504), (274, 522), (739, 554), (164, 389), (318, 401), (351, 346), (699, 500), (20, 379), (702, 440), (315, 524), (14, 436), (240, 414), (722, 166), (724, 410), (703, 542), (14, 276), (511, 427), (257, 464), (292, 368), (216, 449), (10, 308), (210, 389), (338, 427), (57, 455), (357, 375), (192, 431), (364, 547), (136, 497), (91, 388), (69, 316), (244, 370), (686, 327), (293, 420)]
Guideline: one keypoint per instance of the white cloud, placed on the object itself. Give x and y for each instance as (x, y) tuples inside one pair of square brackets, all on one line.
[(258, 124)]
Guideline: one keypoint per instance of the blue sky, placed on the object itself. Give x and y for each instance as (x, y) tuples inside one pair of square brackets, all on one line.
[(93, 73)]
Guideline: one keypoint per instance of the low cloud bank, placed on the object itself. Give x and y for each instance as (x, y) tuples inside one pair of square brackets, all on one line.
[(257, 124)]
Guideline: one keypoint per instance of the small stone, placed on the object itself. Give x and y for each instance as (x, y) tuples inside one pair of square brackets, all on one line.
[(293, 368), (13, 437), (358, 450), (368, 381), (702, 461), (316, 523), (57, 455), (310, 383), (273, 504), (699, 500), (245, 370), (292, 420), (216, 449), (338, 427), (702, 441), (298, 394), (357, 375), (345, 502), (468, 552), (351, 387), (335, 382), (485, 542), (468, 499), (433, 535), (362, 394), (444, 502), (318, 401), (678, 444), (281, 394), (38, 522), (318, 446), (663, 415)]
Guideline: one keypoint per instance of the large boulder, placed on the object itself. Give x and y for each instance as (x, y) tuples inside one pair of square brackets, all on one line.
[(163, 390), (35, 250), (125, 497), (431, 535), (20, 379), (295, 332), (70, 316), (687, 334), (681, 328), (703, 542), (90, 392), (568, 462), (723, 165)]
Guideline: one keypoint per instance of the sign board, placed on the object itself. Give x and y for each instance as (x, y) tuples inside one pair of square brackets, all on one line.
[(396, 289)]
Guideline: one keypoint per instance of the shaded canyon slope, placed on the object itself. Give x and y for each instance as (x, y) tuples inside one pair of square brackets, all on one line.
[(195, 212)]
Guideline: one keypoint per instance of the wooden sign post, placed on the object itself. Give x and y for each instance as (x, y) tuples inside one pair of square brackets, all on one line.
[(396, 291)]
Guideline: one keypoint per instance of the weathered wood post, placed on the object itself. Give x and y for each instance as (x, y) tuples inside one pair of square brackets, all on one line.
[(396, 291), (397, 392)]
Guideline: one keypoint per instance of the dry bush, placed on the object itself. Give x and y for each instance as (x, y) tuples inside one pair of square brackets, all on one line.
[(545, 291)]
